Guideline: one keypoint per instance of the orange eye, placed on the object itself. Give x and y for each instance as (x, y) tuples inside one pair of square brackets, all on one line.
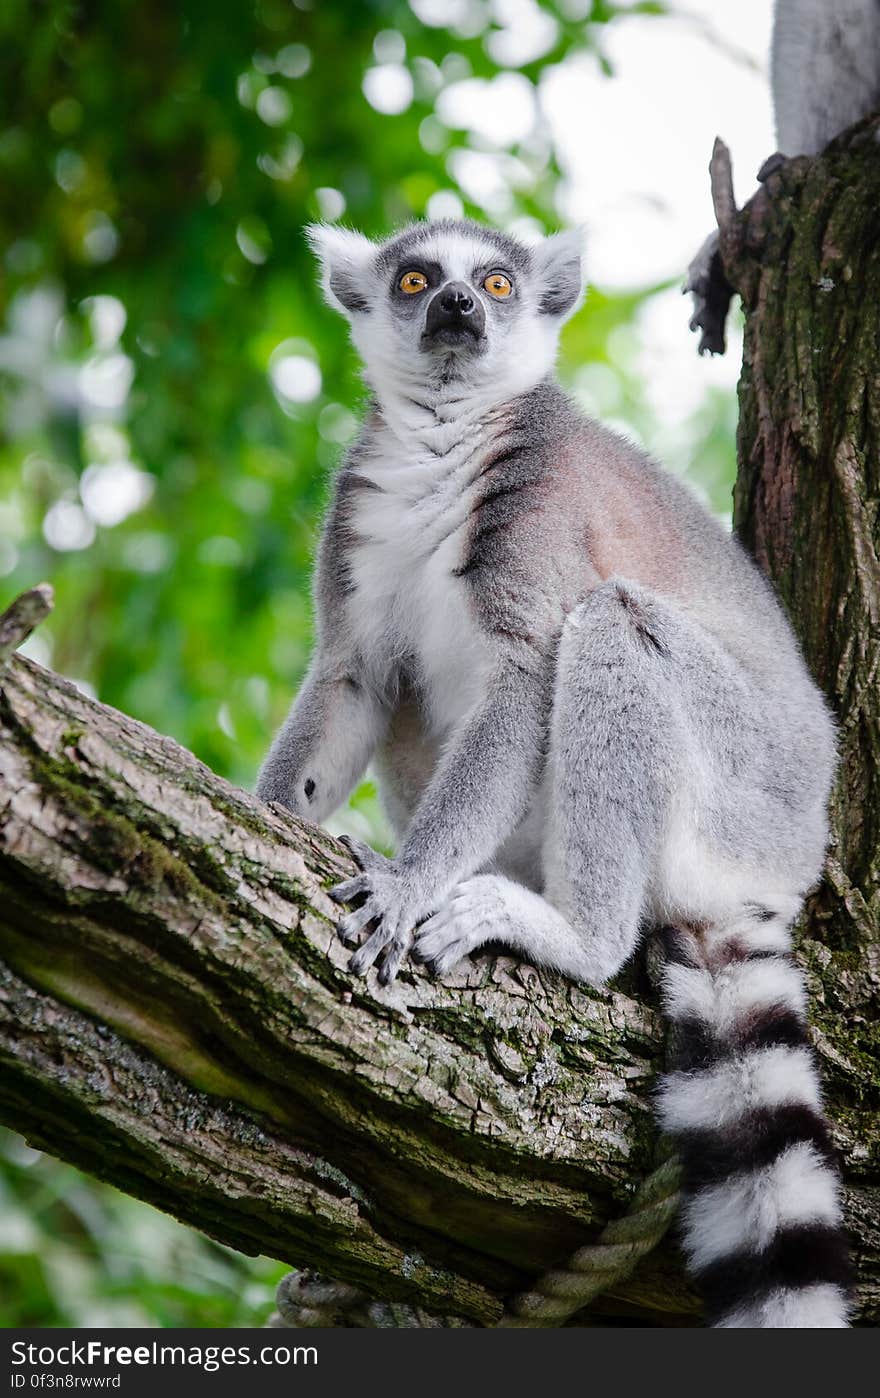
[(498, 285), (413, 282)]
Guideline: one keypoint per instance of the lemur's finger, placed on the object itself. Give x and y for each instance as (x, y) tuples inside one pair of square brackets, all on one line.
[(363, 854), (441, 954), (354, 923), (348, 890), (391, 965), (447, 959), (445, 939), (434, 935), (364, 957)]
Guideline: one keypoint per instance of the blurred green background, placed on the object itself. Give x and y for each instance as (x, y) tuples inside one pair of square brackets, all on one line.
[(174, 394)]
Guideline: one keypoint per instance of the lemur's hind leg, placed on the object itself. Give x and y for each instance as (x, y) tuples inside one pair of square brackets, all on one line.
[(614, 760)]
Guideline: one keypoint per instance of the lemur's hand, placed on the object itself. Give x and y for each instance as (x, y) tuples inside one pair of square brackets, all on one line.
[(391, 899)]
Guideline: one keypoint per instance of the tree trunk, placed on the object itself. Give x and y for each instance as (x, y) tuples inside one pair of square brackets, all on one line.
[(805, 257), (175, 1014)]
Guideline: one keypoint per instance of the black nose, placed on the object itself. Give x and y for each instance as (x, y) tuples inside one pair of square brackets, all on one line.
[(456, 300), (455, 311)]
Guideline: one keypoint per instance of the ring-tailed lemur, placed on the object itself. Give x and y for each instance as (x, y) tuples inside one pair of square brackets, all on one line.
[(825, 76), (589, 714)]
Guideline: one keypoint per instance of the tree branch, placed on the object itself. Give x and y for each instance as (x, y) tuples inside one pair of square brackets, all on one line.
[(19, 620), (176, 1018)]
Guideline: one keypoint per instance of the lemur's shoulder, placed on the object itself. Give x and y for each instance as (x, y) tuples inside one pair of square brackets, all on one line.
[(640, 519), (571, 443)]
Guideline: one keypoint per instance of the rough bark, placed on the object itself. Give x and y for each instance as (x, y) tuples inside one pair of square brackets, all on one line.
[(175, 1015)]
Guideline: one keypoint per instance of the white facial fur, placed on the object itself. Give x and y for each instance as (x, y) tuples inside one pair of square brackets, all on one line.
[(360, 278)]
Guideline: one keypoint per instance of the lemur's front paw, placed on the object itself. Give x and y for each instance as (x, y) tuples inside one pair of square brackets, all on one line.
[(389, 899), (472, 916)]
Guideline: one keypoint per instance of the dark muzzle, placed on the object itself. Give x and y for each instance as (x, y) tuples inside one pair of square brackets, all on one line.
[(455, 314)]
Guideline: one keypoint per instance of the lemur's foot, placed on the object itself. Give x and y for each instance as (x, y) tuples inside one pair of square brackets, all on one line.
[(712, 294), (390, 900), (473, 914)]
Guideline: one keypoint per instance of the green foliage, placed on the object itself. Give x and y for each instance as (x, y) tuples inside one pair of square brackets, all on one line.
[(168, 156), (174, 395), (73, 1252)]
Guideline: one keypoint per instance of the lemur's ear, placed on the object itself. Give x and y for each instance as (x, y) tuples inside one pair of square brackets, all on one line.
[(345, 259), (559, 265)]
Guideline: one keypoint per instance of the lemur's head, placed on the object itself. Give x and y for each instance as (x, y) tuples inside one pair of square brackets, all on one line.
[(449, 303)]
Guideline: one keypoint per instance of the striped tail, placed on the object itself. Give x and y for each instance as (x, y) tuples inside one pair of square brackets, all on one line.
[(761, 1217)]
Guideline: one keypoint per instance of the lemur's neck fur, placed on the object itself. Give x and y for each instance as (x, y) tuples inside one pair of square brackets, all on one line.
[(445, 413)]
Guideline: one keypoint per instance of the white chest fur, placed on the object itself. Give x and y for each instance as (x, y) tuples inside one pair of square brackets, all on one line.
[(408, 607)]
